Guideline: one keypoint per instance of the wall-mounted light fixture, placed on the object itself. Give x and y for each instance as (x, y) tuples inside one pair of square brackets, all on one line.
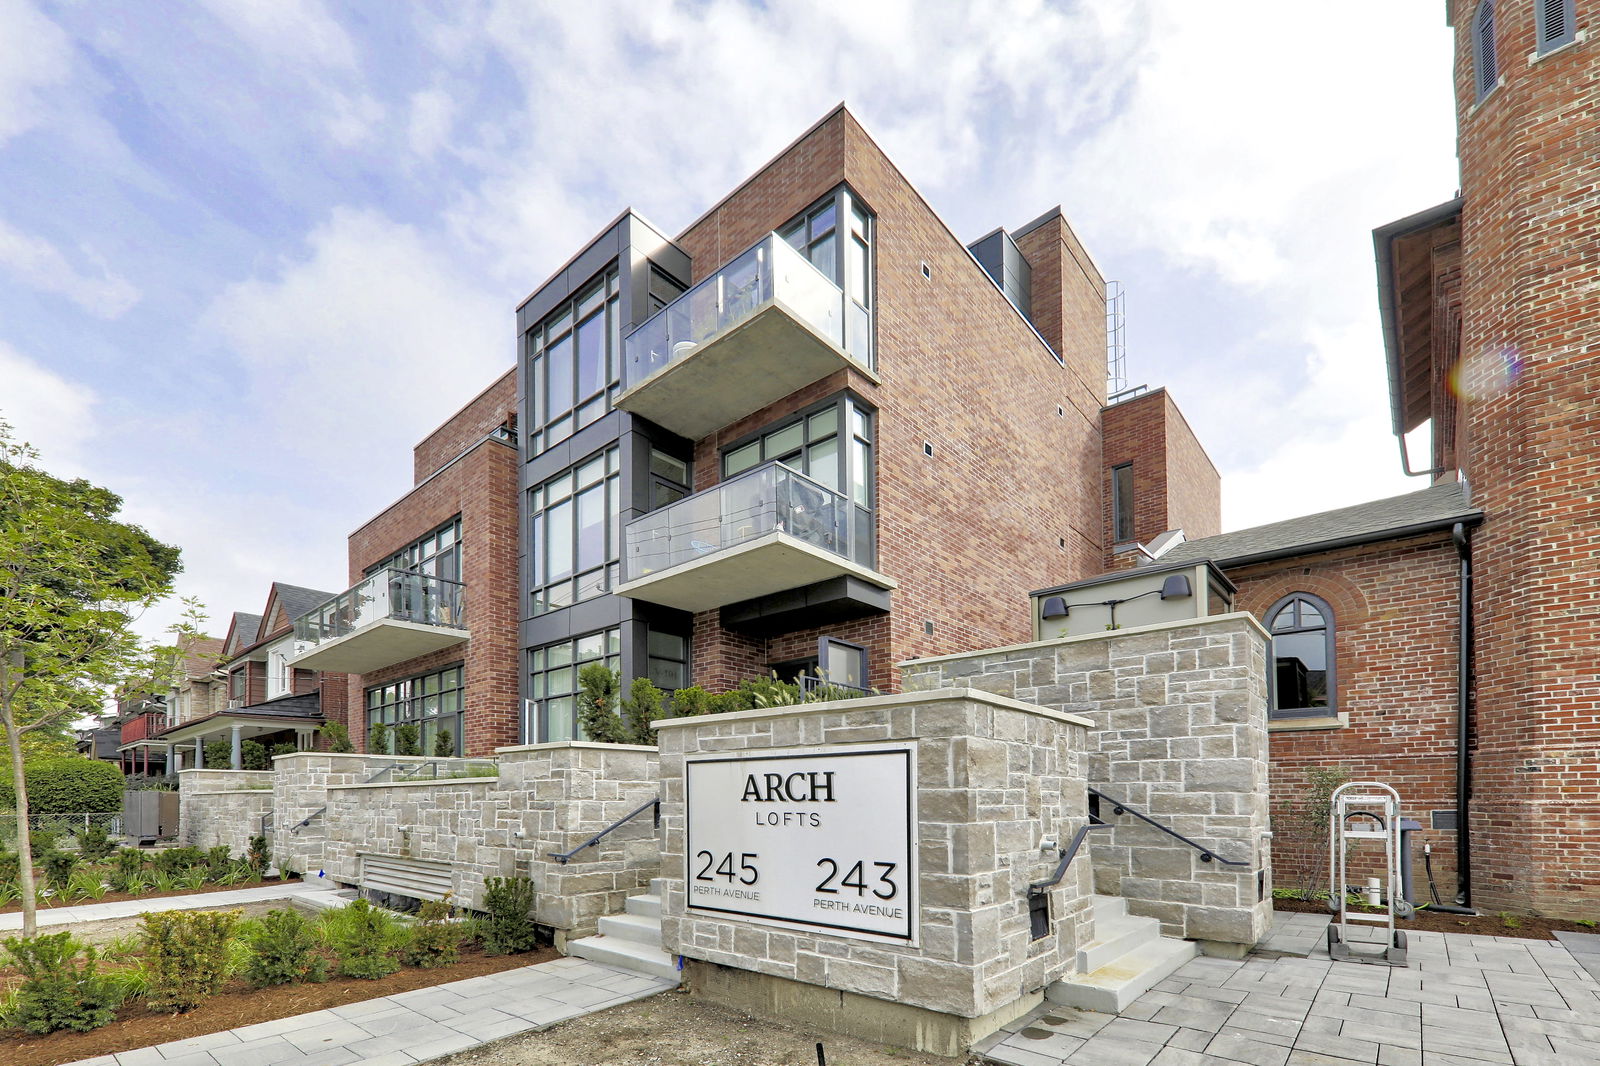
[(1173, 587)]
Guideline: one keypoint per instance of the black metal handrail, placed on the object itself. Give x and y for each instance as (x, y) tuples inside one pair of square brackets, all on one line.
[(1067, 854), (1119, 807), (563, 859)]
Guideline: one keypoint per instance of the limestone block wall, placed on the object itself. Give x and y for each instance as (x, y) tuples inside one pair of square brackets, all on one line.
[(440, 821), (994, 778), (1180, 715), (219, 807), (300, 787)]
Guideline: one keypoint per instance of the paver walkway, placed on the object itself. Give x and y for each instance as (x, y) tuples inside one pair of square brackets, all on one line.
[(132, 908), (411, 1026), (1463, 1001)]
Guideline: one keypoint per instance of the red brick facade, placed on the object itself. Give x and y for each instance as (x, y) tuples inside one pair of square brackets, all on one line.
[(481, 487), (1009, 500), (1175, 484), (1530, 434)]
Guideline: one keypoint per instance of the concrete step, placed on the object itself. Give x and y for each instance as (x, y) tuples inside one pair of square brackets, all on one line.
[(658, 886), (627, 955), (1108, 908), (1112, 987), (636, 927), (644, 906), (1115, 937)]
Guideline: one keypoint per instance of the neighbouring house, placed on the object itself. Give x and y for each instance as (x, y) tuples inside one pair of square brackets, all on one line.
[(258, 695)]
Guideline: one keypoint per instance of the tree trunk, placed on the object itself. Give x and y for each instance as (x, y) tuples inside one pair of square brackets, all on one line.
[(30, 903)]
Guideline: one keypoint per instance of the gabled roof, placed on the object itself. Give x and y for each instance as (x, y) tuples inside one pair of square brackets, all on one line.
[(296, 600), (242, 632), (1436, 507)]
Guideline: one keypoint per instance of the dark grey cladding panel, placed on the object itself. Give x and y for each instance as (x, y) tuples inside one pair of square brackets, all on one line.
[(579, 269), (838, 599)]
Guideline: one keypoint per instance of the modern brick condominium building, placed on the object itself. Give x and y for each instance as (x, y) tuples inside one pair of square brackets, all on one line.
[(809, 434)]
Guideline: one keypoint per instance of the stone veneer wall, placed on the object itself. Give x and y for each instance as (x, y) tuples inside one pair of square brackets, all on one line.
[(1180, 715), (994, 778), (548, 799), (217, 807)]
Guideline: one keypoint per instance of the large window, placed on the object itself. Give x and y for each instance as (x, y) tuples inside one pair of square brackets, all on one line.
[(1302, 678), (551, 712), (668, 655), (575, 363), (843, 251), (831, 445), (437, 555), (576, 518), (1122, 503), (432, 702)]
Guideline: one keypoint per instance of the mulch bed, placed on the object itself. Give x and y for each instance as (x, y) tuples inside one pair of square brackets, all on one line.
[(117, 897), (239, 1004), (1526, 927)]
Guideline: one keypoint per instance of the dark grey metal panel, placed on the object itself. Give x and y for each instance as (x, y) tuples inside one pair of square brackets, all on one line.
[(838, 599)]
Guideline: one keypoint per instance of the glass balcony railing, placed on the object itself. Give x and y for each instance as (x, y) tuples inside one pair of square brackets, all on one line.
[(768, 499), (769, 271), (399, 595)]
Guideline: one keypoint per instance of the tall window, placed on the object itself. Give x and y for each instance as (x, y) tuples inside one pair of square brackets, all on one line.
[(842, 251), (1485, 62), (668, 665), (432, 702), (1122, 503), (551, 712), (236, 680), (576, 532), (831, 445), (1557, 21), (437, 555), (575, 363), (1302, 657)]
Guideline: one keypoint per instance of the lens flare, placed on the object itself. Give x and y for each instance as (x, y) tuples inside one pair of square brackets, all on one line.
[(1488, 374)]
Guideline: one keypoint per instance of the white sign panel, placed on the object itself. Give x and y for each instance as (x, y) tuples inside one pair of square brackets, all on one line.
[(815, 837)]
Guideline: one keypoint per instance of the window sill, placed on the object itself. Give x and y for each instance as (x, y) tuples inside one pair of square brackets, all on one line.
[(1577, 39), (1300, 725)]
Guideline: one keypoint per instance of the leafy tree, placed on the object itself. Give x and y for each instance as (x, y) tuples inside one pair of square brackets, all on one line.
[(337, 734), (72, 578)]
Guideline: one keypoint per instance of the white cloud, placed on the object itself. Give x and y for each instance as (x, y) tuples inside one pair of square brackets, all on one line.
[(298, 31), (34, 55), (40, 265), (432, 114), (356, 350), (46, 410)]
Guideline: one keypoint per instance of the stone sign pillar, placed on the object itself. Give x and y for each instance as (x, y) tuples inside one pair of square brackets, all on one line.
[(863, 866)]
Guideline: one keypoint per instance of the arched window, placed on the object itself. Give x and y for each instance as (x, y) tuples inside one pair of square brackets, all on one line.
[(1485, 63), (1301, 683)]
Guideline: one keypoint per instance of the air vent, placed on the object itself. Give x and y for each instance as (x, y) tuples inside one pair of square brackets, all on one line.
[(1445, 819), (417, 878), (1485, 61)]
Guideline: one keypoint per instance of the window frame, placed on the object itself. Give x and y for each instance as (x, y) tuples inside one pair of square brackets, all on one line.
[(1544, 44), (1328, 629), (1485, 45), (415, 701), (854, 235), (535, 719), (411, 558), (600, 579), (550, 425), (1121, 516)]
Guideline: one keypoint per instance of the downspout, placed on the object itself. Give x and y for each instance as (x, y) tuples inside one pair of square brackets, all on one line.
[(1458, 534)]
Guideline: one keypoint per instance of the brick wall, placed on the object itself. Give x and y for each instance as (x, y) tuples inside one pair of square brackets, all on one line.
[(1175, 485), (493, 407), (482, 489), (1395, 638), (1010, 499), (1531, 449)]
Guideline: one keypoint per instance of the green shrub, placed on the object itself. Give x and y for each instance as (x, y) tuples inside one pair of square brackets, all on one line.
[(435, 937), (59, 866), (509, 903), (691, 702), (57, 992), (259, 856), (88, 884), (175, 861), (10, 867), (405, 740), (337, 734), (67, 784), (444, 744), (186, 955), (218, 755), (218, 860), (283, 948), (642, 706), (94, 843), (598, 688), (378, 739), (252, 756), (127, 865), (41, 842), (283, 747), (366, 940)]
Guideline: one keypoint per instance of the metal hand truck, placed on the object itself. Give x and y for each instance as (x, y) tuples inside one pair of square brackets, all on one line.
[(1375, 808)]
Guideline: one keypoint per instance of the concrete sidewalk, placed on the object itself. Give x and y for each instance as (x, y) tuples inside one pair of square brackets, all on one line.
[(132, 908), (1463, 1001), (410, 1026)]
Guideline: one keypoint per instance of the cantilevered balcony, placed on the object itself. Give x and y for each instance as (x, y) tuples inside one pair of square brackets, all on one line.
[(764, 532), (391, 616), (763, 326)]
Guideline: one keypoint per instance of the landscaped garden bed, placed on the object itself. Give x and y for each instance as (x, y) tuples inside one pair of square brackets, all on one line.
[(1522, 926), (100, 872)]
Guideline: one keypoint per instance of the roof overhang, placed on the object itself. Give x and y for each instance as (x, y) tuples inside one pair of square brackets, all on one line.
[(1436, 525), (1407, 340)]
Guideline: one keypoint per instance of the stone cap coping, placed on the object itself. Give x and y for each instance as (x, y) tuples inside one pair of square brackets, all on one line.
[(218, 770), (373, 755), (449, 782), (867, 703), (1083, 638), (554, 745), (267, 792)]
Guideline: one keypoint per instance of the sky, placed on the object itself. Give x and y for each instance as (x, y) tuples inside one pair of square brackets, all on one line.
[(251, 251)]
